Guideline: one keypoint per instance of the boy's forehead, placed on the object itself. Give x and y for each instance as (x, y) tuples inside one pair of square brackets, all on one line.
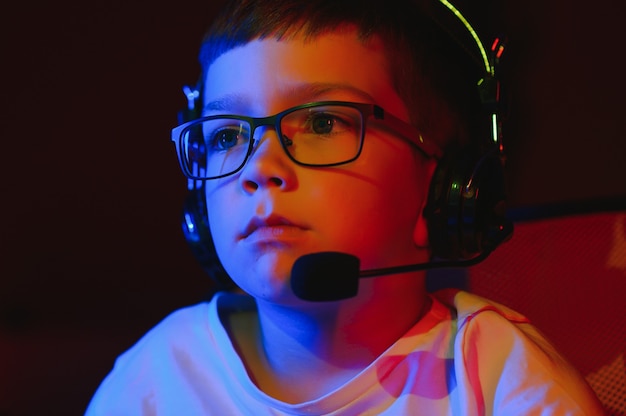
[(300, 92), (335, 65)]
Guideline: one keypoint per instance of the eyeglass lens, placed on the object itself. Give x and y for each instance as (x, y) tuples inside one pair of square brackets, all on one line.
[(317, 136)]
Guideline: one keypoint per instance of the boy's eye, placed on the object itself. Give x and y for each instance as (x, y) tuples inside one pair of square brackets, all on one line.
[(225, 139), (322, 124)]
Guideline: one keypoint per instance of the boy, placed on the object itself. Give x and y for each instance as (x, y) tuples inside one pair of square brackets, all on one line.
[(364, 97)]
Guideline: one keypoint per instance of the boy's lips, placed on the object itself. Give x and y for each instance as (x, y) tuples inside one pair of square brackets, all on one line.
[(273, 226)]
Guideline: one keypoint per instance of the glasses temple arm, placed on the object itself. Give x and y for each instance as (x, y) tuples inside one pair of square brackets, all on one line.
[(408, 132)]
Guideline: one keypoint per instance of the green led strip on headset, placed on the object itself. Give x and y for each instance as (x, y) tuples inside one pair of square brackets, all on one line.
[(488, 67)]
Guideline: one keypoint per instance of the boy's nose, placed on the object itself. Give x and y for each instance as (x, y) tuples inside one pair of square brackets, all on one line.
[(268, 165)]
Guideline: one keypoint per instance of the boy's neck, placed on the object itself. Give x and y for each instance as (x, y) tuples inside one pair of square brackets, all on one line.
[(302, 353)]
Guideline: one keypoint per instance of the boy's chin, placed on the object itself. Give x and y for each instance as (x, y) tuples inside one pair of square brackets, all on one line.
[(268, 278)]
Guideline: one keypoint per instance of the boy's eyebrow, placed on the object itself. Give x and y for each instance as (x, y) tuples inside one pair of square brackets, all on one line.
[(225, 103), (316, 90), (307, 92)]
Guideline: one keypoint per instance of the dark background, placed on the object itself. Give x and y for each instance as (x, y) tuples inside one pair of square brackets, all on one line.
[(92, 254)]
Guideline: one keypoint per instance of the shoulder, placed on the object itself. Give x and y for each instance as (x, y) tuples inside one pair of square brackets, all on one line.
[(175, 327), (188, 328), (504, 358), (135, 367), (175, 352)]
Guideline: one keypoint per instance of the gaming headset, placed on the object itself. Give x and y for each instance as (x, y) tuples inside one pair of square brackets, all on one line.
[(465, 211)]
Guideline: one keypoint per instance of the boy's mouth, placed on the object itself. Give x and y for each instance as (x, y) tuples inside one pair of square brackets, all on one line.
[(270, 227)]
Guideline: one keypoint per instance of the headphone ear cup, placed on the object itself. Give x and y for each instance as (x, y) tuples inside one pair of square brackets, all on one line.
[(465, 209), (441, 211), (198, 236), (483, 223)]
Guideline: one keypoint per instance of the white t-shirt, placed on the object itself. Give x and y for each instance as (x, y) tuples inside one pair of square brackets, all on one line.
[(467, 356)]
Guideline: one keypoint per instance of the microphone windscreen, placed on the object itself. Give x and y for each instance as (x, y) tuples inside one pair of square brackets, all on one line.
[(325, 276)]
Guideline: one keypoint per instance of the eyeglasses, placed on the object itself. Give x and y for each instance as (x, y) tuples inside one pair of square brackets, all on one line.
[(320, 134)]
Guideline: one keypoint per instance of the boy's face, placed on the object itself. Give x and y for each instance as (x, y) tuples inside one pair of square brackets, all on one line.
[(273, 211)]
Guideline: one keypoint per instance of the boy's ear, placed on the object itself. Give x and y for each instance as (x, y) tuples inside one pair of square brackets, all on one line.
[(420, 232)]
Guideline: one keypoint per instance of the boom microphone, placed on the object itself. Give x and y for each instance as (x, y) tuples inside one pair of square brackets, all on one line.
[(331, 276)]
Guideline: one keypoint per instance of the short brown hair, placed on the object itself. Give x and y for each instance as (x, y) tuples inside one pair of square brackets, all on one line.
[(431, 72)]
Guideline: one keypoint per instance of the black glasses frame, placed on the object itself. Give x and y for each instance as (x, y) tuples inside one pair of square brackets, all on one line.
[(397, 126)]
